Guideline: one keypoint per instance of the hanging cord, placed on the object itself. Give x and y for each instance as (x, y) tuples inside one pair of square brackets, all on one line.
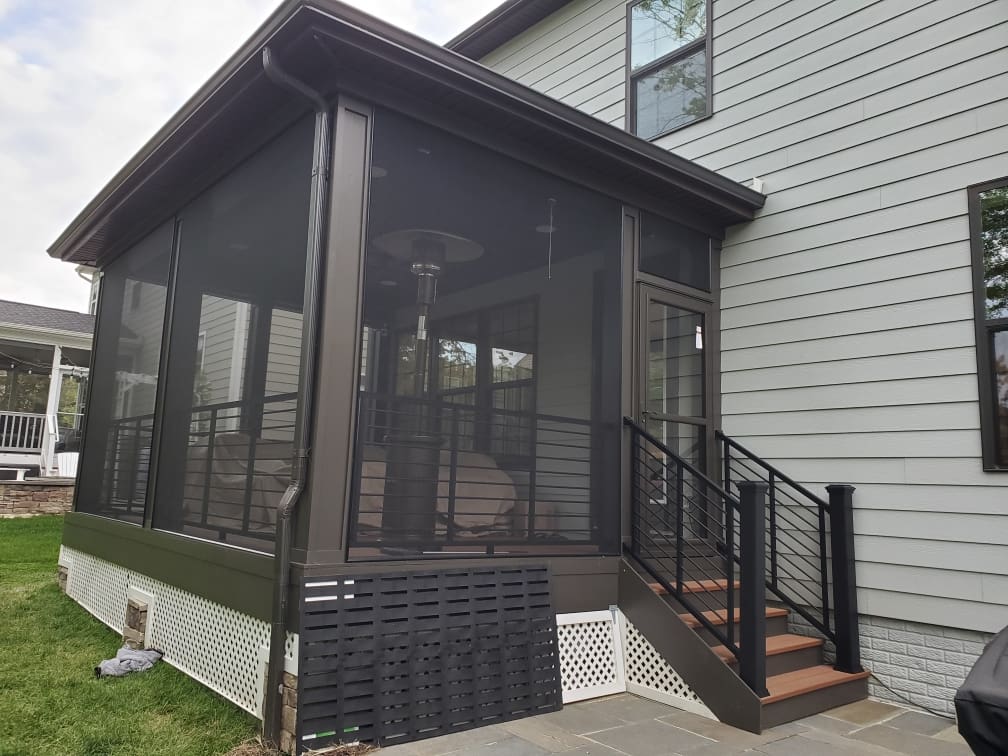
[(904, 697), (549, 255)]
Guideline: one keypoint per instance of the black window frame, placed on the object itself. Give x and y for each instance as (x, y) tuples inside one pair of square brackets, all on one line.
[(654, 66), (485, 387), (986, 328)]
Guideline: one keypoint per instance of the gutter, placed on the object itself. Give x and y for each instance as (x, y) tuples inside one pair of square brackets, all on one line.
[(272, 700)]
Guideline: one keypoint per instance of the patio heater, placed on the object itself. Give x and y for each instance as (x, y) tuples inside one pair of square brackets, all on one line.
[(413, 462)]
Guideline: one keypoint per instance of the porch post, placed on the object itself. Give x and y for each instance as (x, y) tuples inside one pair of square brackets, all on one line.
[(752, 598), (841, 512), (49, 434)]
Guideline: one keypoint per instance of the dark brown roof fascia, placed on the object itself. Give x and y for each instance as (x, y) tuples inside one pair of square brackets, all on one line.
[(408, 52)]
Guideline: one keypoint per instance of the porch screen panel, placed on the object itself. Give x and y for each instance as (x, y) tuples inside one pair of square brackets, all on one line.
[(489, 418), (117, 448), (231, 394)]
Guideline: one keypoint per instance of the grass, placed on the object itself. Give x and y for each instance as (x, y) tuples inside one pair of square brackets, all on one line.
[(50, 701)]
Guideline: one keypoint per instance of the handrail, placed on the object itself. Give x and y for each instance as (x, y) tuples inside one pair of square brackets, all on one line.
[(720, 435), (664, 536), (665, 450)]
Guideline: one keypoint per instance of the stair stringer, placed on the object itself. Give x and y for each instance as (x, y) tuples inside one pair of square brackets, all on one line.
[(720, 689)]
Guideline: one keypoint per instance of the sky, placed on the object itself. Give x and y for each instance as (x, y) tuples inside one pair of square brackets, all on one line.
[(85, 83)]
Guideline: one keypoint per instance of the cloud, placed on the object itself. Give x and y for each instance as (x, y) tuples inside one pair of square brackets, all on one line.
[(83, 85)]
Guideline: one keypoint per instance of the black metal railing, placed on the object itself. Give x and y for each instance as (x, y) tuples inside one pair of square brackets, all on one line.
[(702, 544), (810, 548), (437, 476), (238, 466), (127, 464)]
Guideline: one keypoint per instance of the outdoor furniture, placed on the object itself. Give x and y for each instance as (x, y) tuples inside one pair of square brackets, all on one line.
[(982, 702)]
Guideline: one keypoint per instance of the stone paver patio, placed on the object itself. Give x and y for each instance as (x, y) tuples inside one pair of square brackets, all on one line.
[(625, 725)]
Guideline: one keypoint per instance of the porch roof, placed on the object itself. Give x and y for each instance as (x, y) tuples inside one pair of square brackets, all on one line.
[(340, 49)]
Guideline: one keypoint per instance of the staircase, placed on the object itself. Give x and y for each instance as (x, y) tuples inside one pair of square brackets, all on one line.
[(718, 576)]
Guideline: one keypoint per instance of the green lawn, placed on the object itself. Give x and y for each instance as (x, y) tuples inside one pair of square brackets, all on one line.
[(50, 701)]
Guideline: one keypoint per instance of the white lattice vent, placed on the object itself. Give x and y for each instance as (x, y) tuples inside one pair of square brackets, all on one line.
[(216, 645), (648, 674), (591, 663)]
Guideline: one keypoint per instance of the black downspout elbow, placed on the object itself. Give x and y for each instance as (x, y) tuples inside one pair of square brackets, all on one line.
[(319, 197)]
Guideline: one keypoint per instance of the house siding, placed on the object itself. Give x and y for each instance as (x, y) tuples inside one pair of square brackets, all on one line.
[(848, 349)]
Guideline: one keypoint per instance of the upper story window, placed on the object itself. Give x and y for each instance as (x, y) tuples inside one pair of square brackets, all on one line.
[(669, 59), (988, 205)]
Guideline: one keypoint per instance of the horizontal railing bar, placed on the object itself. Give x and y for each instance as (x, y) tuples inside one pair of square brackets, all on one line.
[(766, 465), (686, 465)]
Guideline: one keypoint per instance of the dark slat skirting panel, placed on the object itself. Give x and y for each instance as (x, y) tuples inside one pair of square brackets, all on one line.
[(393, 658)]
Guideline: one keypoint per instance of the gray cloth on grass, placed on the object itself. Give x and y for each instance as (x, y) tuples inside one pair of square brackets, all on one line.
[(128, 660)]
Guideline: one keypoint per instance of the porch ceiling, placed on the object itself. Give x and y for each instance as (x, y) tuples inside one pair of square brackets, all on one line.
[(341, 49)]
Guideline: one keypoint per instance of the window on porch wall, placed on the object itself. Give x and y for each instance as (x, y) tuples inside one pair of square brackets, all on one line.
[(489, 410)]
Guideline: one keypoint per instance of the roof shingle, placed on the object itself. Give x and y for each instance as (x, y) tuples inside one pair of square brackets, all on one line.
[(21, 314)]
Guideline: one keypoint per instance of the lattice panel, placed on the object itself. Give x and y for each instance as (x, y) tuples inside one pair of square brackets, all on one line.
[(591, 661), (217, 646), (648, 674), (393, 658), (98, 586)]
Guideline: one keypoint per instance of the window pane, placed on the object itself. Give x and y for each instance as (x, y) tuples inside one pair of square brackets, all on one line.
[(495, 439), (675, 362), (116, 462), (672, 96), (659, 27), (675, 252), (1000, 351), (232, 380), (994, 235)]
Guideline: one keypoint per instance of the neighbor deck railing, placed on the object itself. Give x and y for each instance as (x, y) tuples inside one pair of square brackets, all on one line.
[(21, 432)]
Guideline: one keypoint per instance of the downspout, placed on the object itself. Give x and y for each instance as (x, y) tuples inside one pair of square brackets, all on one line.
[(273, 701)]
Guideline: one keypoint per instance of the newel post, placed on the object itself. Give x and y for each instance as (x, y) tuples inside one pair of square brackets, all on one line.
[(752, 599), (848, 643)]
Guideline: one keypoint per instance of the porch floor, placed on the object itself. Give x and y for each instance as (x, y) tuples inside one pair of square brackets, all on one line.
[(625, 725)]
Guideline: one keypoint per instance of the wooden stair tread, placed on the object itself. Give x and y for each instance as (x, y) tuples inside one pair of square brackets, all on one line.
[(775, 644), (720, 617), (801, 681), (696, 586)]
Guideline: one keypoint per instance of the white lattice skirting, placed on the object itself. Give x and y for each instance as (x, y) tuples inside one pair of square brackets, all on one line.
[(219, 647), (602, 653)]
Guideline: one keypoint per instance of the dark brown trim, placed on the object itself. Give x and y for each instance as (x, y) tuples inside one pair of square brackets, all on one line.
[(580, 583), (706, 43), (984, 330), (322, 525), (628, 384), (161, 389), (238, 579), (90, 388)]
